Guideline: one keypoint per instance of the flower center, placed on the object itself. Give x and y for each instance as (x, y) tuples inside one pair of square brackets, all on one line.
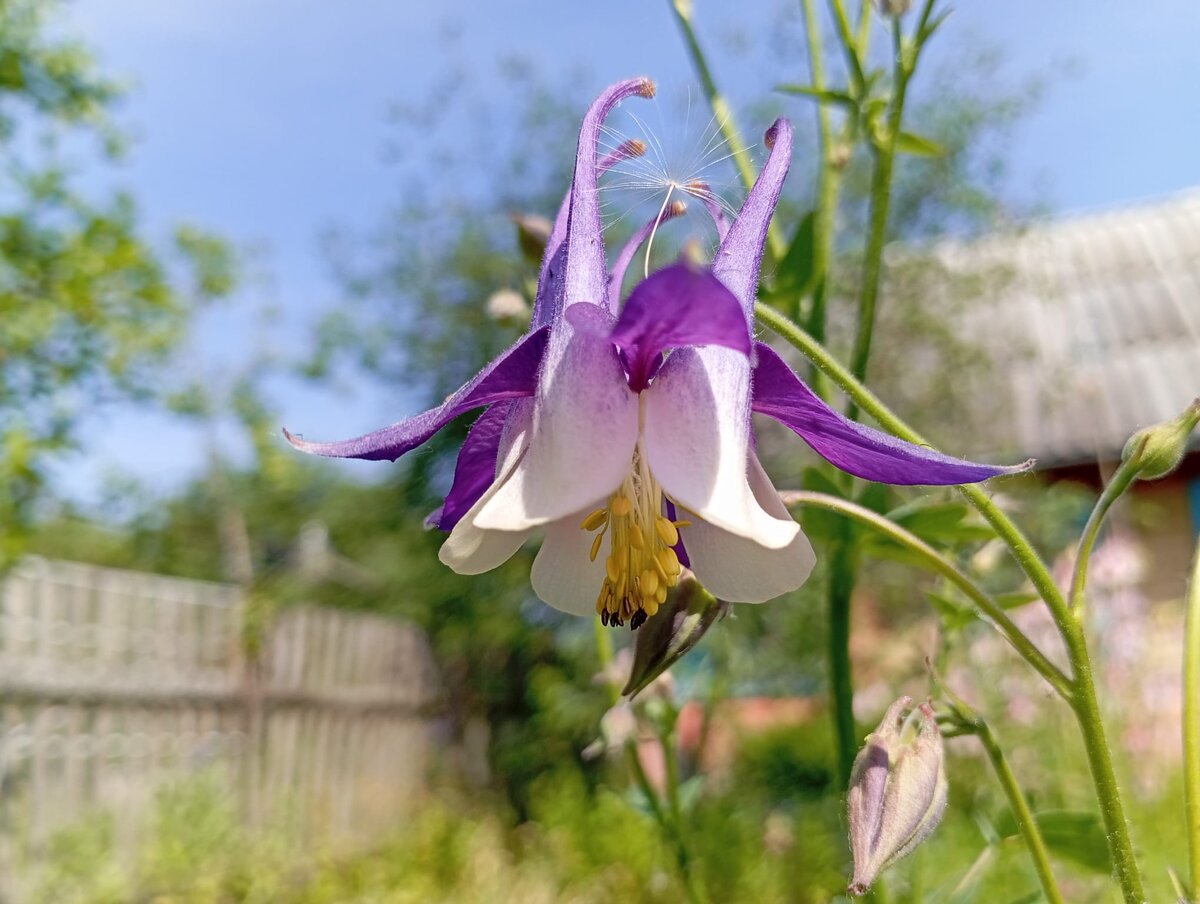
[(641, 564)]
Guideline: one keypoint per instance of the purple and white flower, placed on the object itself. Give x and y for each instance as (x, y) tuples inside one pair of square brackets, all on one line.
[(623, 436)]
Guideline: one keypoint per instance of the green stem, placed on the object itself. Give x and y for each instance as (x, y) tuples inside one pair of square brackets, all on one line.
[(1191, 725), (668, 819), (687, 866), (1084, 702), (988, 608), (828, 186), (723, 114), (1026, 823), (1120, 482), (881, 198), (849, 44), (841, 674), (1095, 743)]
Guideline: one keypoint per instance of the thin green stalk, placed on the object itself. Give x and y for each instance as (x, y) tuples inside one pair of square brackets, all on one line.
[(1191, 725), (846, 38), (668, 819), (670, 752), (988, 608), (1104, 777), (881, 198), (966, 721), (828, 187), (723, 114), (1121, 480), (1027, 825)]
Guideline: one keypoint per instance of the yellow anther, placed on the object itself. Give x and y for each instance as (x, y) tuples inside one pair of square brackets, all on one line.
[(660, 596), (601, 604), (666, 531), (679, 523), (651, 606), (594, 520), (596, 541), (620, 506), (667, 560), (673, 580), (613, 569), (636, 539), (649, 582)]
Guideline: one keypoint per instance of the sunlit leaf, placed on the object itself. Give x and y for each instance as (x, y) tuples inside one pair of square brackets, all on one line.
[(918, 146), (839, 98)]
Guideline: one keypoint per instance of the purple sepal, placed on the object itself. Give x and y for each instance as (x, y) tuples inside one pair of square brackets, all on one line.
[(678, 306), (547, 303), (512, 375), (738, 259), (856, 449), (476, 466)]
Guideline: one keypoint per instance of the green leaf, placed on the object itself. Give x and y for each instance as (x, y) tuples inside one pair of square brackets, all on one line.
[(933, 25), (954, 615), (839, 98), (918, 146), (795, 275), (875, 497), (1016, 599), (940, 523)]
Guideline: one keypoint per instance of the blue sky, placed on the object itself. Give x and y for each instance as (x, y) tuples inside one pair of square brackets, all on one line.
[(265, 121)]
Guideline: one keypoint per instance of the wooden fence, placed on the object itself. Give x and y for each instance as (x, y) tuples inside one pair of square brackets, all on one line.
[(113, 681)]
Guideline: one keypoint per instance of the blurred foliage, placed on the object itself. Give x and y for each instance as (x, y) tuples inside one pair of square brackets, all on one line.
[(578, 845), (87, 313)]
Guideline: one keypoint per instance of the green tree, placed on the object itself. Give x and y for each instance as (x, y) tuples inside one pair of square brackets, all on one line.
[(85, 307)]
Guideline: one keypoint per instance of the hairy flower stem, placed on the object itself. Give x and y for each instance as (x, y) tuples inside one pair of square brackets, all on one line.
[(884, 150), (1191, 725), (1095, 742), (1026, 823), (1121, 480), (1083, 702), (722, 113)]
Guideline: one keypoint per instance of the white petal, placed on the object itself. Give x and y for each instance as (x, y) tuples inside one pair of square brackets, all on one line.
[(471, 549), (697, 436), (741, 571), (563, 574), (585, 425)]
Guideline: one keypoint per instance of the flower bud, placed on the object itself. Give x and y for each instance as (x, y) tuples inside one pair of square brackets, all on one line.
[(676, 628), (1158, 450), (893, 7), (897, 791)]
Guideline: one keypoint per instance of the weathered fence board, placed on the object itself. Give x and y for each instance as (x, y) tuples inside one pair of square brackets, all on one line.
[(112, 682)]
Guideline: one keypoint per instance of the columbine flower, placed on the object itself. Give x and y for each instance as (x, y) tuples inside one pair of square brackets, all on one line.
[(624, 437)]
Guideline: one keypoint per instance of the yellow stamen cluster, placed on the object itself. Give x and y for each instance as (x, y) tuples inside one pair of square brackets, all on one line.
[(641, 566)]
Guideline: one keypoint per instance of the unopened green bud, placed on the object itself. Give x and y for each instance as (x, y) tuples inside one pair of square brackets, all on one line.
[(677, 627), (897, 791), (1158, 450)]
